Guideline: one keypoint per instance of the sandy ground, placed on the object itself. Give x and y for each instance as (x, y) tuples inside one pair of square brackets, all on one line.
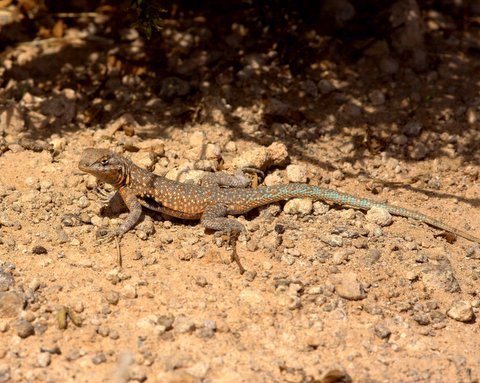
[(331, 294)]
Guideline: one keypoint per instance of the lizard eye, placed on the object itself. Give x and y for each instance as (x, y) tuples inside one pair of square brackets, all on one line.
[(104, 162)]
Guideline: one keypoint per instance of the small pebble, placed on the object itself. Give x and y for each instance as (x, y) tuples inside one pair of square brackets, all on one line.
[(106, 310), (4, 326), (338, 175), (29, 316), (62, 238), (461, 311), (183, 324), (320, 208), (147, 324), (83, 202), (34, 284), (201, 281), (97, 221), (137, 373), (39, 250), (74, 355), (112, 297), (347, 286), (250, 275), (472, 115), (129, 34), (113, 334), (103, 330), (400, 139), (333, 240), (71, 220), (413, 128), (373, 255), (11, 303), (439, 276), (99, 358), (44, 359), (352, 110), (51, 349), (24, 329), (78, 307), (379, 216), (326, 86), (213, 152), (382, 331), (130, 291), (335, 374), (412, 275), (5, 374), (40, 328), (297, 173), (421, 318), (377, 97), (207, 329), (199, 370), (419, 151), (6, 280), (288, 259), (309, 87), (231, 146), (294, 303), (340, 257), (300, 206), (166, 321)]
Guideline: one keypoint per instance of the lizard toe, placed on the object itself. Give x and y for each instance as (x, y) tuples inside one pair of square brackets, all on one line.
[(105, 235)]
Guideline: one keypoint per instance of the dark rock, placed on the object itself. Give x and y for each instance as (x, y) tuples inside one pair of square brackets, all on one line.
[(24, 329)]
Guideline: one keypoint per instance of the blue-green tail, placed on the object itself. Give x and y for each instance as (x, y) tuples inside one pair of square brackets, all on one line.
[(251, 198)]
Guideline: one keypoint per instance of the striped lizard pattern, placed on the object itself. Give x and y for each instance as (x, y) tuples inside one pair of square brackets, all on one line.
[(211, 203)]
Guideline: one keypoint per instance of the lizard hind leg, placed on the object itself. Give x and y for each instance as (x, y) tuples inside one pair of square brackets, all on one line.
[(214, 218)]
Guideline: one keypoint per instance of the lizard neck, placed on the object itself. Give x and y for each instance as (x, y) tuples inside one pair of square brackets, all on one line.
[(135, 175), (123, 176)]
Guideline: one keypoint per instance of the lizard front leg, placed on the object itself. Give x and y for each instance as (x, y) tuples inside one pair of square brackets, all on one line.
[(135, 208), (214, 218), (113, 202)]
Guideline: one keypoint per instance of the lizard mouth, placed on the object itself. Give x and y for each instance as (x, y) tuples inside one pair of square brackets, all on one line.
[(83, 167)]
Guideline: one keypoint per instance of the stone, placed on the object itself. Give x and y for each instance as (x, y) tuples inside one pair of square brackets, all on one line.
[(347, 286)]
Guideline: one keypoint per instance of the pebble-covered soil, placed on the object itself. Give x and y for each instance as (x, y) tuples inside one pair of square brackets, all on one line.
[(332, 294)]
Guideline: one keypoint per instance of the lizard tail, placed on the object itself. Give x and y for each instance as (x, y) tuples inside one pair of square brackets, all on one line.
[(268, 194)]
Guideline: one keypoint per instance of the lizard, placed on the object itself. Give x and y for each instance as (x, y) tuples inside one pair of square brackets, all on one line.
[(210, 202)]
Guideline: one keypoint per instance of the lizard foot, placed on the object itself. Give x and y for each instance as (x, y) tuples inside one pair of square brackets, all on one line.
[(251, 170), (105, 235)]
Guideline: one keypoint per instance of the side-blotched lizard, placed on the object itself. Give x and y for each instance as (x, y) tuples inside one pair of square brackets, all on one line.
[(210, 202)]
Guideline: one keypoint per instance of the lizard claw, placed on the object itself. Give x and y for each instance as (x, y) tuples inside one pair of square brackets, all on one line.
[(104, 235), (252, 170), (257, 174), (103, 195)]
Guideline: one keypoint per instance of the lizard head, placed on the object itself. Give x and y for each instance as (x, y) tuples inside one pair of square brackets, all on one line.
[(104, 164)]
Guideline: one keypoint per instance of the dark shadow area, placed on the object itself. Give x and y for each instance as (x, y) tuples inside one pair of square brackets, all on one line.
[(312, 70)]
